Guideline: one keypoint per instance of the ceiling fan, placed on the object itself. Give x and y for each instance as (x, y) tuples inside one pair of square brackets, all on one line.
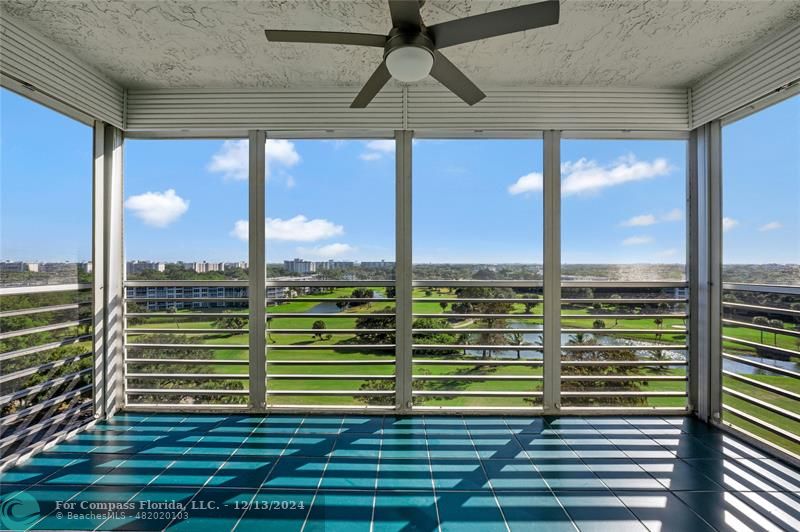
[(411, 49)]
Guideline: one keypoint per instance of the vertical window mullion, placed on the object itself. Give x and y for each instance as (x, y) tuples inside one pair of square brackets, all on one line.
[(552, 272), (257, 271), (403, 276)]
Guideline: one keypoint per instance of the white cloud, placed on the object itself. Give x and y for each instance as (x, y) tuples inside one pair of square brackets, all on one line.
[(666, 253), (290, 182), (376, 149), (640, 221), (729, 223), (637, 240), (385, 145), (532, 182), (328, 251), (297, 229), (675, 215), (241, 230), (771, 226), (158, 209), (232, 159), (586, 176)]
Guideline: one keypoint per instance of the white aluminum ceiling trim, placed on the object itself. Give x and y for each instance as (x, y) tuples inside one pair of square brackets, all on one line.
[(34, 62), (579, 108), (770, 67), (417, 108), (288, 110)]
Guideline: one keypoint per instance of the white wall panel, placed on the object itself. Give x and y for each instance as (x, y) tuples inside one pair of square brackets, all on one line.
[(766, 69), (261, 109), (32, 60), (582, 108), (420, 109)]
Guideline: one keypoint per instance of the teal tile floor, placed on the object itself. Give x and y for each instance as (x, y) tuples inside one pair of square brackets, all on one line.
[(352, 473)]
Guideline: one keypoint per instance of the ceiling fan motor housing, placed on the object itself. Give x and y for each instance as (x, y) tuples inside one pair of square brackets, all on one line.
[(408, 55), (400, 38)]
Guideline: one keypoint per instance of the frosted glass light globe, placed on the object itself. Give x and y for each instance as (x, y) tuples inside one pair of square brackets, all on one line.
[(409, 63)]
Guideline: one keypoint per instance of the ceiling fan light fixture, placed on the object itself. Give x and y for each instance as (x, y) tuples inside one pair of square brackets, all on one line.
[(409, 64)]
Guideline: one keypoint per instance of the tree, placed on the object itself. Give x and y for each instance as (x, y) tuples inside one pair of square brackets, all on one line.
[(269, 336), (229, 322), (659, 322), (376, 322), (319, 326), (434, 338), (600, 385), (762, 321), (443, 305), (598, 324), (517, 339), (363, 293), (776, 324)]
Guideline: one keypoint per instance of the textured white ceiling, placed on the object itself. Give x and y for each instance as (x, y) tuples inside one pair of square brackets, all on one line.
[(220, 43)]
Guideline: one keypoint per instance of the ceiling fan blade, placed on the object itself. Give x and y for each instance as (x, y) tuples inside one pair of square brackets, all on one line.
[(405, 13), (373, 86), (451, 77), (495, 23), (326, 37)]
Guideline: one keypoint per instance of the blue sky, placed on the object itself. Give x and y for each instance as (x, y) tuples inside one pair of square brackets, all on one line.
[(474, 200), (761, 197)]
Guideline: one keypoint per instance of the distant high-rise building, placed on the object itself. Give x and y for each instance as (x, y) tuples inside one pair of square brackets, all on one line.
[(138, 266), (18, 267), (334, 265), (206, 267), (378, 265), (86, 267), (58, 267), (236, 265), (300, 266)]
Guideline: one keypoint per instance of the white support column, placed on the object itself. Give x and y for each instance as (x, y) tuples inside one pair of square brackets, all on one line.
[(114, 271), (257, 268), (552, 272), (705, 270), (98, 269), (403, 274)]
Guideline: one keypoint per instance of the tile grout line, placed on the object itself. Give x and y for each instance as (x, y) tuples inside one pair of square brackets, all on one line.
[(433, 480), (271, 469), (671, 492), (322, 476), (85, 487), (533, 464), (488, 480), (377, 478), (155, 477), (189, 502)]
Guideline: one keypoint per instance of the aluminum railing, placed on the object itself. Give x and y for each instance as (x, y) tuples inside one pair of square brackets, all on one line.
[(46, 367), (476, 345), (186, 344), (492, 346), (624, 346), (330, 344), (761, 363)]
